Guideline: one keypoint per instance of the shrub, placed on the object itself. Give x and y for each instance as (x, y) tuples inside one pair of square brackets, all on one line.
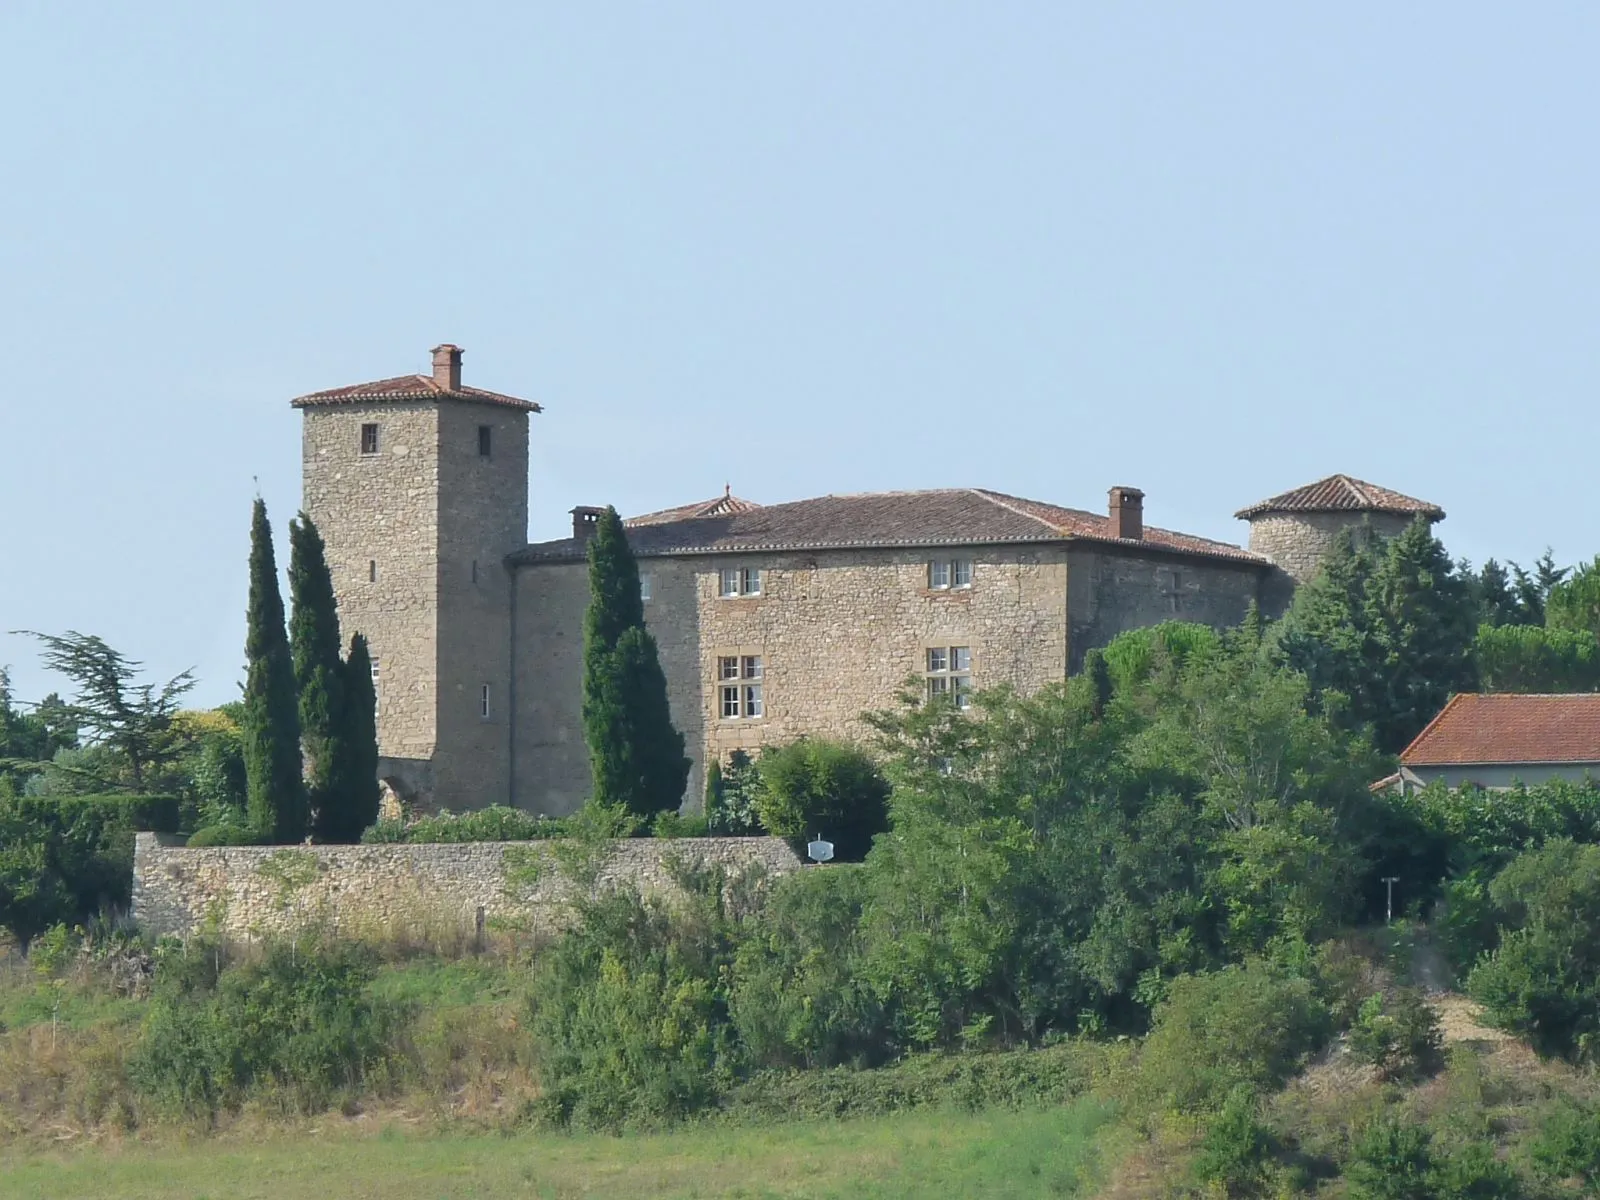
[(1543, 982), (678, 825), (497, 823), (1567, 1145), (627, 1016), (1393, 1161), (298, 1027), (1398, 1034), (224, 834), (731, 796), (1250, 1025), (813, 785), (798, 999), (1236, 1149), (1472, 1172)]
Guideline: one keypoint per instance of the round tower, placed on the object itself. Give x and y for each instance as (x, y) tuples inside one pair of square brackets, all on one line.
[(1296, 530)]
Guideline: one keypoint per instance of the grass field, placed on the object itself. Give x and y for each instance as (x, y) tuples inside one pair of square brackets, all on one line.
[(998, 1153)]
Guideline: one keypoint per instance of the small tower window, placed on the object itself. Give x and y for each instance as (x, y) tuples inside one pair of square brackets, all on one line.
[(483, 702), (474, 570), (369, 439), (485, 440), (374, 679), (372, 570)]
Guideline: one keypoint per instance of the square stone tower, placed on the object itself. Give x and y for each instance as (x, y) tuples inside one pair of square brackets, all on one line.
[(419, 486)]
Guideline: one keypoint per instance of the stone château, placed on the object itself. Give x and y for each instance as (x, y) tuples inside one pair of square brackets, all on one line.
[(773, 621)]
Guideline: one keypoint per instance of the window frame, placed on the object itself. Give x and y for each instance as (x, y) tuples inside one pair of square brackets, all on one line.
[(947, 668), (738, 583), (371, 439), (485, 441), (485, 709), (951, 574), (740, 680)]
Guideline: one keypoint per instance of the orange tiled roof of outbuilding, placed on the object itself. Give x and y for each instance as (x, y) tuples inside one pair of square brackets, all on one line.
[(1476, 729)]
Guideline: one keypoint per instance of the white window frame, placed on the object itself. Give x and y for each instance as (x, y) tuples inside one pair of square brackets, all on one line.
[(737, 582), (949, 574), (741, 687), (646, 586), (948, 670)]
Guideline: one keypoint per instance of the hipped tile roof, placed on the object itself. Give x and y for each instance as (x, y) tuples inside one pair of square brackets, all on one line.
[(940, 517), (1486, 730), (1342, 493), (409, 387)]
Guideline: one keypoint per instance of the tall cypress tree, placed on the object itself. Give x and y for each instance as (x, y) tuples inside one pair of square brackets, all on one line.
[(270, 722), (635, 754), (318, 676), (358, 775)]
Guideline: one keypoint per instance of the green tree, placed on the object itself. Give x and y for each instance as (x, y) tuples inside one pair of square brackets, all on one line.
[(132, 723), (318, 676), (28, 739), (1389, 624), (358, 783), (816, 786), (635, 754), (270, 720), (1574, 604), (1532, 658)]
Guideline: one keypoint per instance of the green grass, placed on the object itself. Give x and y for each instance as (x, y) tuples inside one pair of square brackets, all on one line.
[(997, 1154)]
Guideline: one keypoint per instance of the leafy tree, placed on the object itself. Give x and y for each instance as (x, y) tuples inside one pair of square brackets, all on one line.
[(134, 723), (1543, 982), (1532, 658), (357, 784), (30, 738), (1394, 1161), (1574, 605), (319, 679), (270, 721), (1389, 625), (635, 754), (813, 785)]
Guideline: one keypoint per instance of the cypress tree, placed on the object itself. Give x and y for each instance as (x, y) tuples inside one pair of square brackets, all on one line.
[(635, 754), (318, 675), (270, 723), (358, 780)]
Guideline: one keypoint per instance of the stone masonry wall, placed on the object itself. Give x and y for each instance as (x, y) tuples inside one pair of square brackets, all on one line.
[(253, 891), (378, 514), (838, 632), (1112, 592), (1298, 542)]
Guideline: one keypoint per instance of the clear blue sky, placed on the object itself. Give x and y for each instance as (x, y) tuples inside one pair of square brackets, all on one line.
[(1213, 251)]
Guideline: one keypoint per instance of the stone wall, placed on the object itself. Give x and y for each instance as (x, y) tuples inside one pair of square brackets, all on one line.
[(838, 633), (1298, 542), (253, 891), (1113, 591)]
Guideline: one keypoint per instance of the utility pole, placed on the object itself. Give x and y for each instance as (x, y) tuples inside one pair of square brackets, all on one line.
[(1388, 906)]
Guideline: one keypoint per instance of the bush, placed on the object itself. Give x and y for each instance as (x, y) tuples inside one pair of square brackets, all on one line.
[(798, 999), (816, 786), (224, 835), (731, 797), (1543, 982), (1250, 1026), (1055, 1075), (1398, 1034), (1567, 1145), (497, 823), (1236, 1149), (1393, 1161), (678, 825), (627, 1016), (297, 1028), (1472, 1172)]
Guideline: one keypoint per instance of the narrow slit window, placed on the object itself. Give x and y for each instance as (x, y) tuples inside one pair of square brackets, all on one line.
[(474, 570), (372, 570), (483, 702), (485, 440)]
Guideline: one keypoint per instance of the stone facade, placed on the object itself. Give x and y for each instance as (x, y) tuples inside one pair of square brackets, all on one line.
[(479, 636), (256, 891)]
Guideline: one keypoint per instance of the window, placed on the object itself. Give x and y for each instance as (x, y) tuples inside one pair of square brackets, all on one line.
[(375, 692), (485, 440), (950, 673), (474, 570), (369, 439), (372, 570), (741, 581), (483, 702), (645, 583), (739, 679), (945, 574)]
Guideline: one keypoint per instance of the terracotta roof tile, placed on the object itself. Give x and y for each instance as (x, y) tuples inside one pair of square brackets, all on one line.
[(940, 517), (1342, 493), (409, 387), (1477, 730)]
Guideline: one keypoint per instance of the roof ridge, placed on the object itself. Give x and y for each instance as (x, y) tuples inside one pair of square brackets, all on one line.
[(998, 499)]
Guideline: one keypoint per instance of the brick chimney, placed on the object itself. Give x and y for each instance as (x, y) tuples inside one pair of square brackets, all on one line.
[(447, 367), (585, 520), (1127, 513)]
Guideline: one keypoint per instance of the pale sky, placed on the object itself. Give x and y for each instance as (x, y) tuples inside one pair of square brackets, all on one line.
[(1213, 251)]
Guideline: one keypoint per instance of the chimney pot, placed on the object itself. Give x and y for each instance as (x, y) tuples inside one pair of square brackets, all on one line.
[(447, 367), (585, 520), (1127, 513)]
